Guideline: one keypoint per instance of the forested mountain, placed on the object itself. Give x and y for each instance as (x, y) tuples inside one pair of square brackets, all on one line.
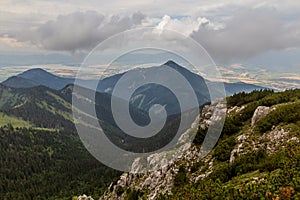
[(41, 106), (48, 164), (42, 156)]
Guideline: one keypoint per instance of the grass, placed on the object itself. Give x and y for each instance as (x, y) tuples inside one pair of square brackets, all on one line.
[(8, 98), (60, 100), (53, 110), (45, 129), (20, 123), (14, 121)]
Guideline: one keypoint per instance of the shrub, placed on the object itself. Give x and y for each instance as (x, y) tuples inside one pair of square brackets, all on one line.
[(180, 178), (132, 194), (223, 149)]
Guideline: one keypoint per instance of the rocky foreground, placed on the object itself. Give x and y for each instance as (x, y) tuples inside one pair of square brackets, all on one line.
[(251, 158)]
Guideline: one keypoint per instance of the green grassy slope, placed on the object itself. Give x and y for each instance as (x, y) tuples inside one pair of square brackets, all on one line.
[(40, 106), (14, 121)]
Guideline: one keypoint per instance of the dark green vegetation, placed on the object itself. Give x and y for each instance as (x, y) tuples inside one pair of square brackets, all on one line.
[(252, 176), (288, 113), (42, 156), (40, 164), (41, 106), (286, 109), (256, 174)]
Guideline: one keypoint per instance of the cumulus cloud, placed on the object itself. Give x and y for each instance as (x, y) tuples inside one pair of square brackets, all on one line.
[(78, 31), (165, 20), (248, 34), (183, 25)]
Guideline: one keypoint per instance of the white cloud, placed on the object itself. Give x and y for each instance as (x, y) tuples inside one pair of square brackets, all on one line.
[(165, 20), (184, 25), (247, 34)]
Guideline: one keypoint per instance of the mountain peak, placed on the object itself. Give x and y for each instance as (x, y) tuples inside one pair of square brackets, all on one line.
[(176, 66), (38, 76), (35, 72), (171, 63)]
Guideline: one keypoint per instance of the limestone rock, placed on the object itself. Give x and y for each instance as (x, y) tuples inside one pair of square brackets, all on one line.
[(260, 112), (84, 197), (165, 164)]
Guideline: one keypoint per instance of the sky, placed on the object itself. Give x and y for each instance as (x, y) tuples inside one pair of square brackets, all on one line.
[(249, 33)]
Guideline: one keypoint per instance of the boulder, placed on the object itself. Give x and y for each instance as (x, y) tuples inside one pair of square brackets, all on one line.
[(260, 112)]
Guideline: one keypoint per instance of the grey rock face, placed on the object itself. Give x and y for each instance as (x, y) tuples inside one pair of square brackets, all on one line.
[(161, 179), (260, 112)]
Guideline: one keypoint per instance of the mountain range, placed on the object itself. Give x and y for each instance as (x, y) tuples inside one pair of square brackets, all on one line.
[(39, 141), (45, 100), (38, 76)]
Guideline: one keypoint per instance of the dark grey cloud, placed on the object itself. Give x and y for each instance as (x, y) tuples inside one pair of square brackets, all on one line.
[(247, 34), (78, 31)]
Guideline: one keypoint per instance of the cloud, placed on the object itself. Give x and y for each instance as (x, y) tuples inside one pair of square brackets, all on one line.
[(247, 34), (165, 20), (78, 31), (184, 25), (235, 36)]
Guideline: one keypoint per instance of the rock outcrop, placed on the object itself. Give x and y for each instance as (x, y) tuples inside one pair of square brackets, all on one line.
[(161, 180), (271, 141), (260, 112)]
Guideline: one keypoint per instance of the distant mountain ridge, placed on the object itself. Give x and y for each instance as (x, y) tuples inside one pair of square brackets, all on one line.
[(19, 82), (234, 88), (38, 76), (150, 94)]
